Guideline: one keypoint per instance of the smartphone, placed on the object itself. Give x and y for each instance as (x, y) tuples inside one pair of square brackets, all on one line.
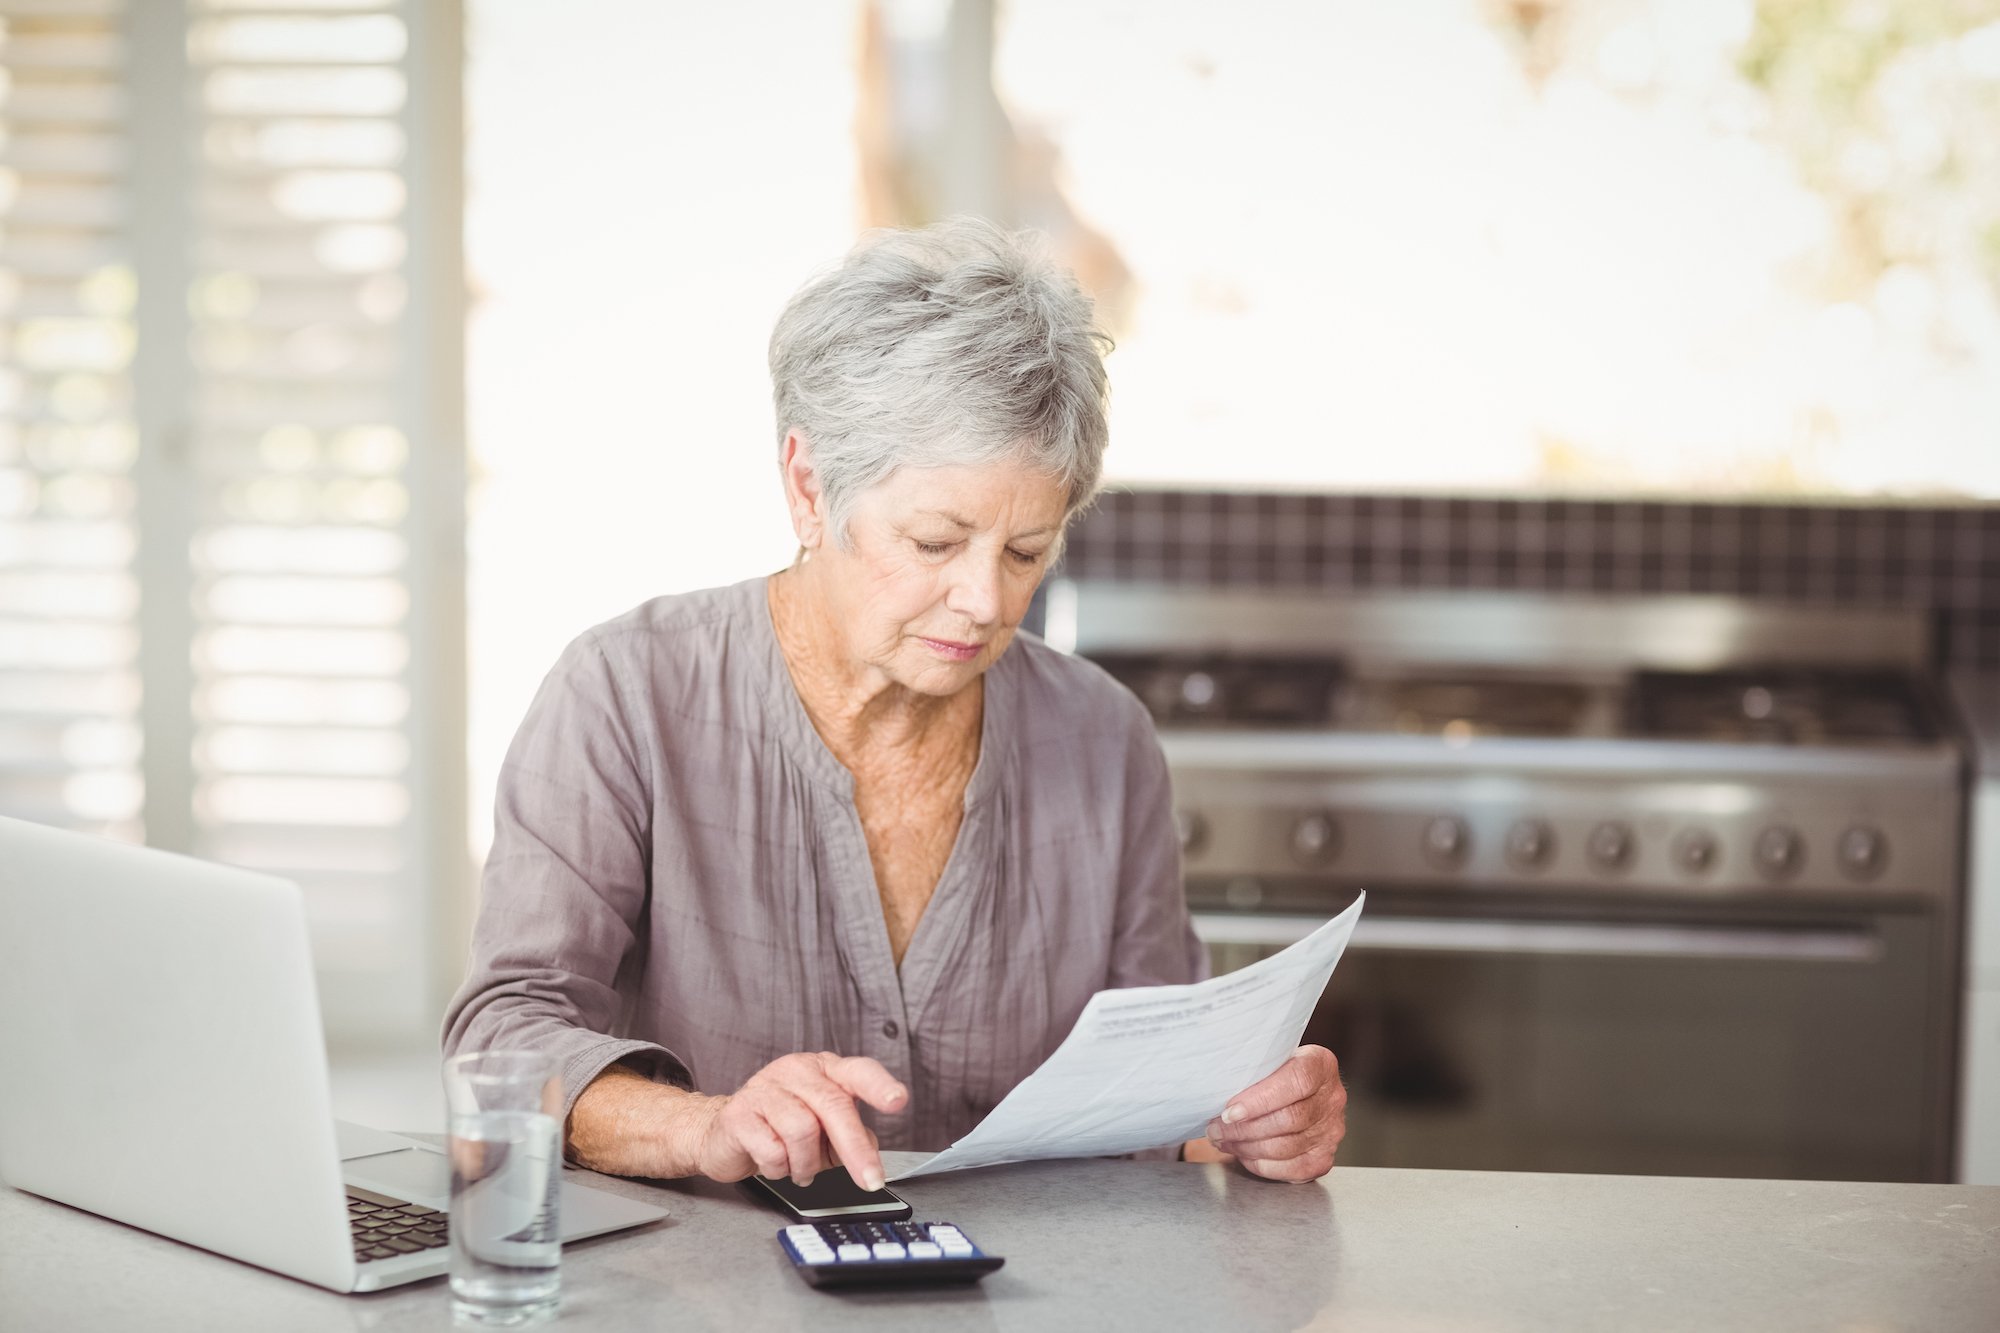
[(832, 1194)]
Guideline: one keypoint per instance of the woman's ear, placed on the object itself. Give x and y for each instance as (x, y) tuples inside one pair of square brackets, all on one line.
[(803, 496)]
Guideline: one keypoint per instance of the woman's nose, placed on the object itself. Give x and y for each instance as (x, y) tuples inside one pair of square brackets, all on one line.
[(975, 594)]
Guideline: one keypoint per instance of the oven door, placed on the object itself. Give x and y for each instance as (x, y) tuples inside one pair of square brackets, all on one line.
[(1767, 1040)]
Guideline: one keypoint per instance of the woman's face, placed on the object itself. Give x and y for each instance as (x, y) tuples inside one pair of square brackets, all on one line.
[(942, 565)]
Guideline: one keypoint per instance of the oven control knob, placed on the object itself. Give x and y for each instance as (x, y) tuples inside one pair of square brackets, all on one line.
[(1192, 830), (1609, 846), (1315, 840), (1198, 691), (1695, 851), (1530, 844), (1862, 852), (1777, 853), (1243, 894), (1446, 842)]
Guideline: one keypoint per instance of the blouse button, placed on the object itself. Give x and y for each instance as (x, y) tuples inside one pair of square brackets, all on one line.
[(889, 1029)]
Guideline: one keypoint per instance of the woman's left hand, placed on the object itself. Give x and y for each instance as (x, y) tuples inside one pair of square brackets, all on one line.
[(1288, 1126)]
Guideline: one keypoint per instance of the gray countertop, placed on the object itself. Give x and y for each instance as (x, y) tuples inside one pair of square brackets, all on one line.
[(1161, 1245)]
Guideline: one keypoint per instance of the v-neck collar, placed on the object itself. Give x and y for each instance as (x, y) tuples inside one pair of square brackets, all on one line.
[(945, 915)]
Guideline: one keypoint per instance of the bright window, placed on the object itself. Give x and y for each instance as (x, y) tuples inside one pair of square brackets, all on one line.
[(1694, 246)]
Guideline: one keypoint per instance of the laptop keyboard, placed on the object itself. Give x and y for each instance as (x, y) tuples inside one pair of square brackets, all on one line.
[(384, 1227)]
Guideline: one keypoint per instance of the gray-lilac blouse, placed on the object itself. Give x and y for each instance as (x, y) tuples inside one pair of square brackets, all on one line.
[(679, 878)]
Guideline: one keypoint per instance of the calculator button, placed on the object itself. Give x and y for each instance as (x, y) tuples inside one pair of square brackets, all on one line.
[(923, 1249), (802, 1233), (816, 1254), (850, 1253), (888, 1249)]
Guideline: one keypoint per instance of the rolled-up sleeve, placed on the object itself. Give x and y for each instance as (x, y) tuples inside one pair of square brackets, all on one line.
[(559, 940)]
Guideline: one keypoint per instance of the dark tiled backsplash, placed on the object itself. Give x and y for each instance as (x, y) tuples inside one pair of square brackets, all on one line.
[(1944, 558)]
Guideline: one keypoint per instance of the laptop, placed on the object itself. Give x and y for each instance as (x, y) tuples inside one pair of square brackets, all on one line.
[(162, 1063)]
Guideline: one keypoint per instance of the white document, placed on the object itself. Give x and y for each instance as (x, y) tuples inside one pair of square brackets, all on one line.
[(1154, 1064)]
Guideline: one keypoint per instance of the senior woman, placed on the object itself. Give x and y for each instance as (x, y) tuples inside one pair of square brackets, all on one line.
[(826, 862)]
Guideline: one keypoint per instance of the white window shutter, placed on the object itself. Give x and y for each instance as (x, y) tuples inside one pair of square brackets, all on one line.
[(262, 516), (70, 739)]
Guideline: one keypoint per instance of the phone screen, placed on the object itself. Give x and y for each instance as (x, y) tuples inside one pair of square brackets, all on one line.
[(833, 1193)]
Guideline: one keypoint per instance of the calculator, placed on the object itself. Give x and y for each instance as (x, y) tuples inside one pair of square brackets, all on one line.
[(854, 1254)]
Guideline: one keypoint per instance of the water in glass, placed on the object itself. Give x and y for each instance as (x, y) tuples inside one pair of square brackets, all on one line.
[(505, 1237)]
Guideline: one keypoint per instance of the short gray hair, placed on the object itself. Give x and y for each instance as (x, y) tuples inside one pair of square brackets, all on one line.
[(956, 345)]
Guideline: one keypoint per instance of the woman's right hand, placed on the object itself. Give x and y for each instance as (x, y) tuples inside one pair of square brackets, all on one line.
[(794, 1117)]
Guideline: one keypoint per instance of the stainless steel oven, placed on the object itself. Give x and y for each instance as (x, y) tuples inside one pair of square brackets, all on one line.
[(1655, 886)]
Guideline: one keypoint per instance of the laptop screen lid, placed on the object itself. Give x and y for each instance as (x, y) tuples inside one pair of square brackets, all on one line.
[(161, 1056)]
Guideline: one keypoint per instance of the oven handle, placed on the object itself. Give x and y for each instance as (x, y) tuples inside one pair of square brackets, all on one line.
[(1576, 938)]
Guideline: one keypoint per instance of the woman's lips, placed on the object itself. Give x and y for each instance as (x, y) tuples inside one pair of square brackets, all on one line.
[(954, 652)]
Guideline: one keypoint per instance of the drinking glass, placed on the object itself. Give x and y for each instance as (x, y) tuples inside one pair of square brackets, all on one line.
[(506, 1182)]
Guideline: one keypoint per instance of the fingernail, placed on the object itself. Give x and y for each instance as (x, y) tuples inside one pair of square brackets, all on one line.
[(872, 1180), (1232, 1115), (1214, 1132)]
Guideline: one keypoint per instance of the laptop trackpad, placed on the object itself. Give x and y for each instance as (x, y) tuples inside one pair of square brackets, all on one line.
[(413, 1174), (361, 1141)]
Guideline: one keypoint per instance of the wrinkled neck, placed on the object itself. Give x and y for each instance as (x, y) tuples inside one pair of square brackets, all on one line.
[(855, 706)]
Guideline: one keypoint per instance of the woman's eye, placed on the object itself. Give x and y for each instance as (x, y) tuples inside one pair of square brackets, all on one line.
[(1024, 557), (933, 548)]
